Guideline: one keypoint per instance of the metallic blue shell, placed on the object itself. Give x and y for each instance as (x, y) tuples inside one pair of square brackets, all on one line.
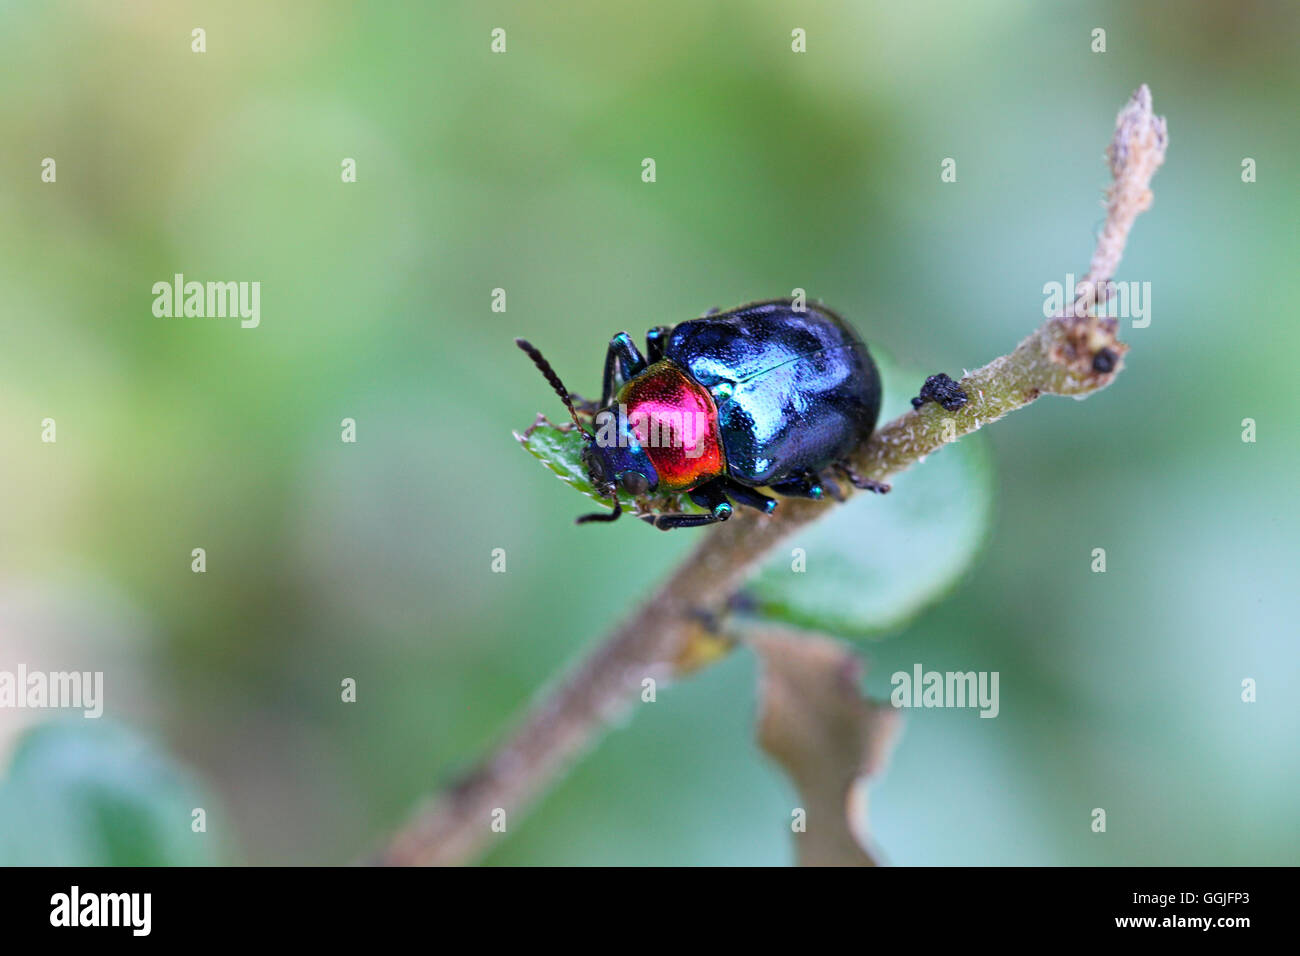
[(795, 390)]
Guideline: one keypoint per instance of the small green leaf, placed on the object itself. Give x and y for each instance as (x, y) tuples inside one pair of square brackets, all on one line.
[(879, 559), (93, 793), (559, 448)]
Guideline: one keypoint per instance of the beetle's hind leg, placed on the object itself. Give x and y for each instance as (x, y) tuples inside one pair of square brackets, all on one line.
[(832, 487), (711, 496), (866, 484)]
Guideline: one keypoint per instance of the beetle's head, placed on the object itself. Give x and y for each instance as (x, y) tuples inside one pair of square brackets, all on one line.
[(615, 459)]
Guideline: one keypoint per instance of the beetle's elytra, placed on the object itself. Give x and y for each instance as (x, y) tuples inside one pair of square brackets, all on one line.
[(763, 396)]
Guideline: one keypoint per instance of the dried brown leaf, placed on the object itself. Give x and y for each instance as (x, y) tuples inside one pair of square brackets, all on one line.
[(814, 721)]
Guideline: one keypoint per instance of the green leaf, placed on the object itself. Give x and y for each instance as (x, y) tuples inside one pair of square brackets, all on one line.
[(93, 793), (559, 448), (877, 560)]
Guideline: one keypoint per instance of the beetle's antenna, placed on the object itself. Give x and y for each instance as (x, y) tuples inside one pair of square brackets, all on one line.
[(544, 367)]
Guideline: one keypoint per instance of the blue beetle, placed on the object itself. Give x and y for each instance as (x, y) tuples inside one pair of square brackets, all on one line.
[(763, 396)]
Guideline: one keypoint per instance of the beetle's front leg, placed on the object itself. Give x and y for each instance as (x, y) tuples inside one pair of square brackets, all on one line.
[(602, 515), (622, 359), (656, 340)]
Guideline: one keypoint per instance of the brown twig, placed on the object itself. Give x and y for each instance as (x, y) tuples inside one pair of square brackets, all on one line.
[(1074, 353)]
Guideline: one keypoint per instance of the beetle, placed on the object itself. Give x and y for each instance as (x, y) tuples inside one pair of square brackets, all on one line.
[(767, 395)]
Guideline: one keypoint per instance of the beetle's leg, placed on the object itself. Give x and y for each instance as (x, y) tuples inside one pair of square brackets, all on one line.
[(601, 515), (713, 311), (668, 522), (712, 496), (832, 487), (743, 495), (807, 485), (585, 405), (655, 342), (866, 484), (623, 359)]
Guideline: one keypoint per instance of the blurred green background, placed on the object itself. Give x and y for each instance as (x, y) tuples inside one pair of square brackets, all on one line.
[(523, 171)]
